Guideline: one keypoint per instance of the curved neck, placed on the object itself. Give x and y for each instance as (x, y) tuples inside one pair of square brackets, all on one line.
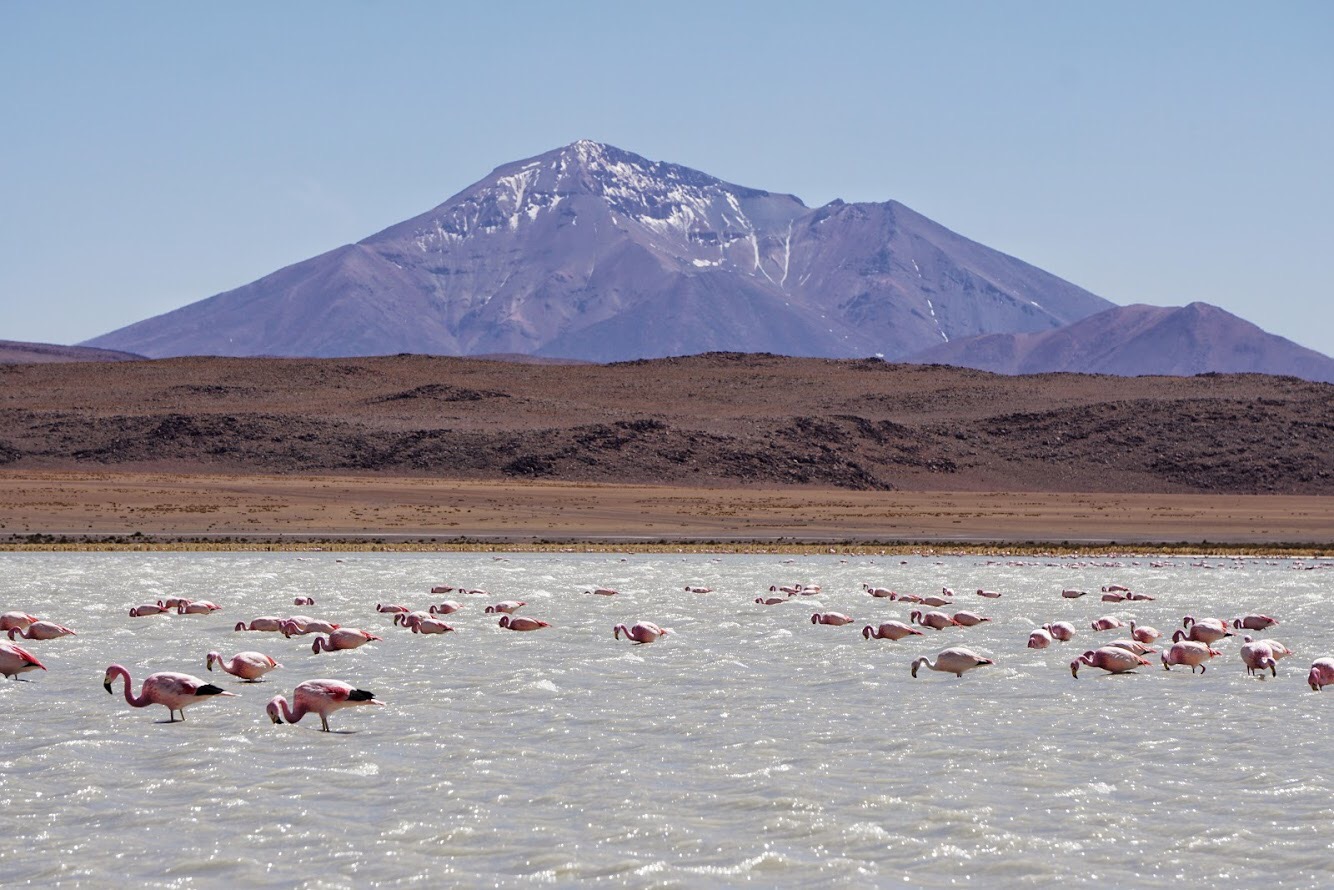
[(291, 715), (142, 701)]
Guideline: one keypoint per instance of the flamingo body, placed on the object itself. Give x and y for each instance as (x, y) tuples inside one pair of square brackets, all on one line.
[(1188, 652), (15, 660), (249, 666), (321, 697), (509, 607), (342, 638), (522, 622), (174, 691), (641, 632), (952, 661), (1039, 639), (834, 619), (890, 630), (1322, 674), (41, 630), (1112, 659)]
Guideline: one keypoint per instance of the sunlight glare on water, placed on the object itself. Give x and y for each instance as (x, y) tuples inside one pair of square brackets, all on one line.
[(749, 746)]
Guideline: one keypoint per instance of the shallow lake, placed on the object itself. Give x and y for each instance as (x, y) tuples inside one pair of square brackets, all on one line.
[(748, 747)]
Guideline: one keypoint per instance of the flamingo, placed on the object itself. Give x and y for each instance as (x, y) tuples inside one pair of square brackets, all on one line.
[(321, 697), (405, 619), (1060, 630), (1115, 588), (603, 591), (428, 626), (15, 660), (442, 588), (1144, 634), (1322, 674), (968, 619), (1106, 622), (342, 638), (835, 619), (300, 625), (1188, 652), (1280, 651), (172, 603), (1254, 622), (521, 622), (938, 620), (174, 691), (448, 607), (391, 607), (267, 623), (935, 601), (507, 606), (882, 592), (952, 661), (1114, 597), (1073, 594), (1134, 646), (249, 666), (1039, 639), (770, 600), (890, 630), (1257, 656), (1201, 633), (11, 620), (304, 601), (1112, 659), (989, 594), (690, 589), (1140, 597), (146, 609), (641, 632), (41, 630), (197, 607)]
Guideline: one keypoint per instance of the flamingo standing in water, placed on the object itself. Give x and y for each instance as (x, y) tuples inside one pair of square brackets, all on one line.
[(1254, 622), (1112, 659), (952, 661), (1039, 639), (300, 625), (321, 697), (11, 620), (603, 591), (522, 622), (197, 607), (640, 632), (266, 623), (968, 619), (1060, 630), (890, 630), (1107, 622), (834, 619), (1201, 633), (342, 638), (938, 620), (448, 607), (427, 625), (145, 609), (15, 660), (1322, 674), (304, 601), (1144, 634), (41, 630), (507, 606), (1257, 655), (1188, 652), (249, 666), (174, 691)]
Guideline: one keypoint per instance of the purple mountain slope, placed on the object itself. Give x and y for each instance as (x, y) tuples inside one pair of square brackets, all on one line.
[(595, 253), (1137, 340)]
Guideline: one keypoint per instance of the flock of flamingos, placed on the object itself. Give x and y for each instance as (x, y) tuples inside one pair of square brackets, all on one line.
[(1191, 645)]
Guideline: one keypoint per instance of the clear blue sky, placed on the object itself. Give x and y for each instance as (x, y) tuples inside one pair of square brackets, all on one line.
[(155, 153)]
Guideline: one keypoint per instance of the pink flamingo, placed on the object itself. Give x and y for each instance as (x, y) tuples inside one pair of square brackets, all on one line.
[(41, 630), (509, 607), (15, 660), (174, 691), (1073, 594), (1254, 622), (249, 666), (520, 622), (1114, 597), (1115, 588), (1188, 652), (602, 591), (935, 601), (405, 619), (1060, 630), (770, 600), (391, 607), (1134, 646), (835, 619), (442, 588), (1140, 597), (172, 603), (968, 619), (197, 607), (641, 632), (952, 661), (938, 620), (300, 625), (267, 623), (321, 697), (11, 620), (694, 589), (448, 607), (1039, 639), (890, 630), (1144, 634), (1106, 622), (1201, 633), (304, 601), (428, 625), (882, 592), (342, 638), (146, 609), (1112, 659), (1322, 674), (989, 594), (1257, 656)]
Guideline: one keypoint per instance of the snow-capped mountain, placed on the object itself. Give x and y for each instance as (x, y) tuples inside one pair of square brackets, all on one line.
[(592, 252)]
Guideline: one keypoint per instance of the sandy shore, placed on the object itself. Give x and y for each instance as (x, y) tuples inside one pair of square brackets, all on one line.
[(88, 506)]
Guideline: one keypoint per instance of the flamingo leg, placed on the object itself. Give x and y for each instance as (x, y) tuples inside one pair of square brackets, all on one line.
[(324, 721)]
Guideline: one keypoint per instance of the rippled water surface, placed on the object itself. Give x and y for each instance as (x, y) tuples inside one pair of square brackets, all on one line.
[(751, 746)]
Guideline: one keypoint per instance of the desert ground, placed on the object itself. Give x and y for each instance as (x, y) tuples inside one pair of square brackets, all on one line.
[(712, 448)]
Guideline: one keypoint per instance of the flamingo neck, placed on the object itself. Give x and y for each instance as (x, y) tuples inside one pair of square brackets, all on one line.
[(292, 715), (140, 701)]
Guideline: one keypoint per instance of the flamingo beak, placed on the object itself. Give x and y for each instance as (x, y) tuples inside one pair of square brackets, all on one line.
[(106, 684), (1074, 669)]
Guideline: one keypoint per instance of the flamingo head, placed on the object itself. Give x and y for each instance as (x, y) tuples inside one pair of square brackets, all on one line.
[(274, 709), (210, 658)]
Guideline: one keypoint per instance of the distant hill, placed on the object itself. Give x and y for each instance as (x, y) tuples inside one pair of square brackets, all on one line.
[(1136, 340), (591, 252), (15, 352)]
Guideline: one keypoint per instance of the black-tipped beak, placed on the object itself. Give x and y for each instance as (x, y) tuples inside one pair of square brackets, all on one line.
[(106, 684), (276, 719)]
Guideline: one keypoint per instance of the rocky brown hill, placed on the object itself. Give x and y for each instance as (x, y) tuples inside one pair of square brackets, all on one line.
[(716, 419)]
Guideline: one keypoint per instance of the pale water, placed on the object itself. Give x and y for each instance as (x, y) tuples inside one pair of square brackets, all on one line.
[(750, 747)]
